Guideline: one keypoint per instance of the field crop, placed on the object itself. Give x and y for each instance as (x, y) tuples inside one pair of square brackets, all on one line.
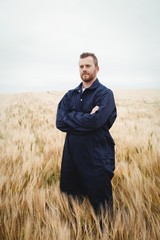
[(31, 204)]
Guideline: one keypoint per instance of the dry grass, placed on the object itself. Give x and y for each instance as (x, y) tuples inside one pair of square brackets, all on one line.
[(31, 205)]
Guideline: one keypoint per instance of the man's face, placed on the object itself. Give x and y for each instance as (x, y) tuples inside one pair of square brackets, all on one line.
[(88, 70)]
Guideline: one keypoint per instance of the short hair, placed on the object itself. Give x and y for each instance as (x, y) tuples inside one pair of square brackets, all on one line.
[(88, 54)]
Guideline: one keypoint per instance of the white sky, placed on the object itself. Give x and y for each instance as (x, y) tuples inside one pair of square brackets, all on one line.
[(41, 40)]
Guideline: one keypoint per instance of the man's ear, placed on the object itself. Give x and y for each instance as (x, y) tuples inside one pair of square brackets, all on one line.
[(97, 67)]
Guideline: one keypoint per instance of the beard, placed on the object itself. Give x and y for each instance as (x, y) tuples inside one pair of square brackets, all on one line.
[(88, 77)]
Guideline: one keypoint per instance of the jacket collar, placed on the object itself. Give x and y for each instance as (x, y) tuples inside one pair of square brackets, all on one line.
[(93, 86)]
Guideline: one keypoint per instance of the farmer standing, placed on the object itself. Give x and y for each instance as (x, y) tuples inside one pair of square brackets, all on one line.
[(86, 114)]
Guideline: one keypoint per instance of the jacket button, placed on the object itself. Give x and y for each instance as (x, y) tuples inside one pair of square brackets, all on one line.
[(81, 99)]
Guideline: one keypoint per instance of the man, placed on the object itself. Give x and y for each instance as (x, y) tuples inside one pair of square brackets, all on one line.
[(86, 114)]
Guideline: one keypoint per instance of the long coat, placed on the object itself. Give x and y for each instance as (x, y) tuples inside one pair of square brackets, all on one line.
[(88, 154)]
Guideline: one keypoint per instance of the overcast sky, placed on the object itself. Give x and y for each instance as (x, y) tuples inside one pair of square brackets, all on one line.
[(41, 40)]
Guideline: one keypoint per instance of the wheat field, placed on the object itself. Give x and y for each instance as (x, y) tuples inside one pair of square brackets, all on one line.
[(31, 204)]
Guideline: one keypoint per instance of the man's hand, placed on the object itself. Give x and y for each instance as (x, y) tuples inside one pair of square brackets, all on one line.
[(95, 109)]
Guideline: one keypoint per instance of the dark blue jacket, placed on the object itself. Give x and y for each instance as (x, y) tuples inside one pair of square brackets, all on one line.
[(73, 117)]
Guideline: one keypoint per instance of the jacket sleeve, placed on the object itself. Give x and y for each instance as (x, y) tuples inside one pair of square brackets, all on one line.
[(105, 115), (62, 112)]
